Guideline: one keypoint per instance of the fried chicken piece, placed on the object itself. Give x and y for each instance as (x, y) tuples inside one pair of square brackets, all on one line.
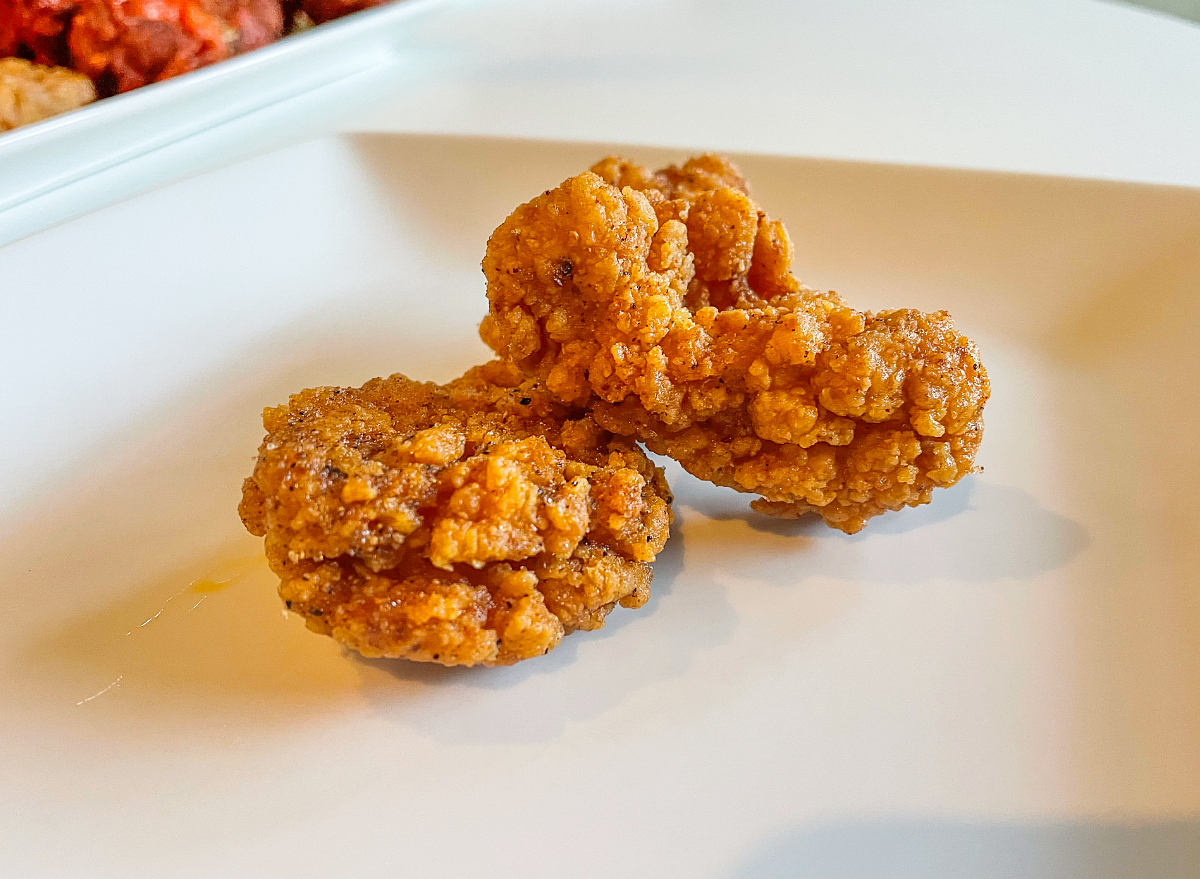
[(31, 92), (471, 523), (124, 44), (37, 29), (667, 307)]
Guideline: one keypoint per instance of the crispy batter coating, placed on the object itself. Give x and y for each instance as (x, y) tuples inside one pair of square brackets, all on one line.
[(665, 304), (471, 523), (31, 92), (134, 42)]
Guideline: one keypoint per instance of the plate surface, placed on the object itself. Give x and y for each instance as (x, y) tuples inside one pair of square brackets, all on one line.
[(1004, 682)]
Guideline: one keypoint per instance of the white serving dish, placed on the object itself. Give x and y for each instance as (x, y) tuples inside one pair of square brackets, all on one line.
[(1003, 683), (300, 86)]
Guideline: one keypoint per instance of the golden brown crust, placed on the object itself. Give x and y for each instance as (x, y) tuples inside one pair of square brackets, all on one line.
[(668, 308), (471, 523)]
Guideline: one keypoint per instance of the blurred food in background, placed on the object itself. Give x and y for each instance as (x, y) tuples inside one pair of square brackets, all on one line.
[(30, 92), (61, 54)]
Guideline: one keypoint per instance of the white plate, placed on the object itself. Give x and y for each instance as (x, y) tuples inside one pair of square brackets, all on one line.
[(1003, 683)]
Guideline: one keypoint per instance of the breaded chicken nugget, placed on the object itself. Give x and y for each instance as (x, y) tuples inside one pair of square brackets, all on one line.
[(471, 523), (668, 309)]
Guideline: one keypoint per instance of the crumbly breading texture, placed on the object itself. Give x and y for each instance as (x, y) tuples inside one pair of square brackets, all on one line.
[(31, 92), (664, 303), (471, 523)]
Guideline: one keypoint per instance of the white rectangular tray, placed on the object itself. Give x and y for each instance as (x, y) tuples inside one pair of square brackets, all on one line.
[(1003, 683)]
